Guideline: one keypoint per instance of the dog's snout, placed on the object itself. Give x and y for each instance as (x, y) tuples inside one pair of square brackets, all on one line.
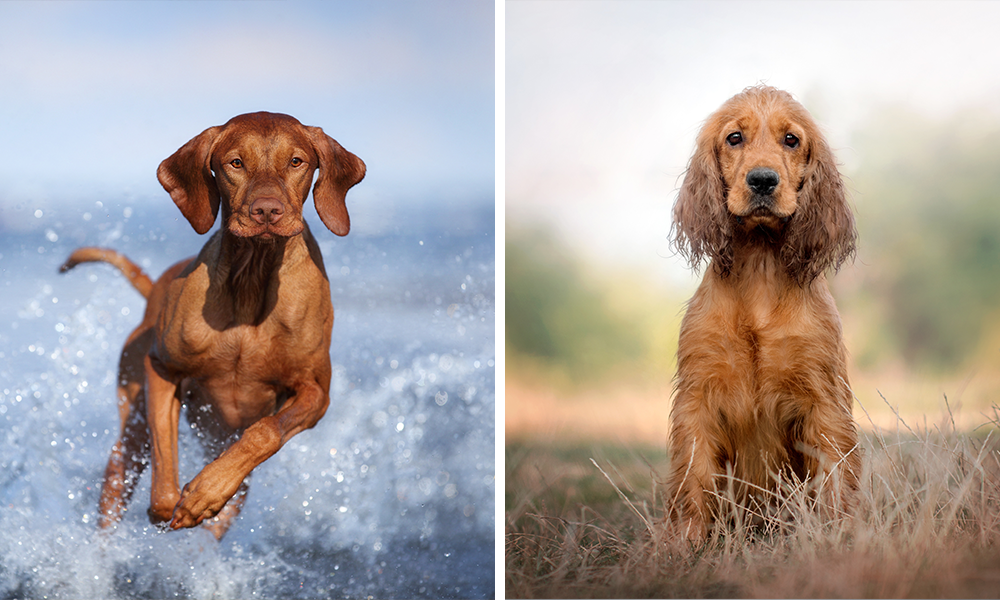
[(763, 180), (267, 211)]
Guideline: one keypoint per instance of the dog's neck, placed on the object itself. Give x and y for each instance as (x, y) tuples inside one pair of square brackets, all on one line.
[(252, 277), (757, 255)]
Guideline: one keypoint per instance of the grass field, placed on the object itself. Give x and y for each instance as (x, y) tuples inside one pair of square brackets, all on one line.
[(586, 520)]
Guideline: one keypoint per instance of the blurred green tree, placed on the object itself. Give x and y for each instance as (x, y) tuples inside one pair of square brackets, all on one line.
[(559, 319), (928, 196)]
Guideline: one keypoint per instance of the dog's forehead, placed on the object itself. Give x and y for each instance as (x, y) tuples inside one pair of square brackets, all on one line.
[(262, 132), (262, 120), (752, 117)]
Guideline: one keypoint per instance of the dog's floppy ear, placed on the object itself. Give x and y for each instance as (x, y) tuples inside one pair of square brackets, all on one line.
[(187, 177), (822, 233), (701, 227), (339, 171)]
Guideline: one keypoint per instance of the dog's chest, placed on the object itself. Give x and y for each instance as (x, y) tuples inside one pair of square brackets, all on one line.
[(268, 352), (760, 343)]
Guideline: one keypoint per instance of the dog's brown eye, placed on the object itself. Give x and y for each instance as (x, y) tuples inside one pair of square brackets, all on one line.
[(734, 139), (296, 161), (236, 163), (791, 140)]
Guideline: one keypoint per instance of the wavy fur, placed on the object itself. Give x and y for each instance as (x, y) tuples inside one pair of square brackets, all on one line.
[(762, 390)]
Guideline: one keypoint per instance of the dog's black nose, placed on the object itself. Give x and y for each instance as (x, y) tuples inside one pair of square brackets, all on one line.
[(762, 180)]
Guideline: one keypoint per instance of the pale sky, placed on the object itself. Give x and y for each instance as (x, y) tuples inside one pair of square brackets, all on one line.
[(604, 99), (93, 95)]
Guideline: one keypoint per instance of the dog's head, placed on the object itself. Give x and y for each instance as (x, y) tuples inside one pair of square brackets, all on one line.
[(259, 166), (762, 168)]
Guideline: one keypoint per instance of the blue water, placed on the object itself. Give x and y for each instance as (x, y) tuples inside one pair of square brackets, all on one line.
[(391, 495)]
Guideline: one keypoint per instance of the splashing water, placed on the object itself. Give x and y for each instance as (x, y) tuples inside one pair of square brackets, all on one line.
[(391, 495)]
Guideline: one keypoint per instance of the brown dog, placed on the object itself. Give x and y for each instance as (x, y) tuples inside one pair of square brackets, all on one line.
[(240, 333), (762, 388)]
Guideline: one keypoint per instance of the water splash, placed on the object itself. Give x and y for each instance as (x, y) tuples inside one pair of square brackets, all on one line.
[(391, 495)]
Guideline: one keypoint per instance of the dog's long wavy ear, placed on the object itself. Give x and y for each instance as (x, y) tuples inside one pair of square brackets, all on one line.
[(339, 171), (822, 233), (701, 227), (187, 177)]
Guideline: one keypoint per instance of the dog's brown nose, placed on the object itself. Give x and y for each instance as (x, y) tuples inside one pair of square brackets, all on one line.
[(266, 211)]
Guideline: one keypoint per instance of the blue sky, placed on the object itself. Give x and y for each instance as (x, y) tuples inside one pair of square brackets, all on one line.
[(93, 95)]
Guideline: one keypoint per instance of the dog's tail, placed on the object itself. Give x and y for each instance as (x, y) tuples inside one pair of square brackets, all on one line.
[(139, 280)]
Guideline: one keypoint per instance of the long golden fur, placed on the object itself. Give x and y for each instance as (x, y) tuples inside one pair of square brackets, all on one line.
[(761, 388)]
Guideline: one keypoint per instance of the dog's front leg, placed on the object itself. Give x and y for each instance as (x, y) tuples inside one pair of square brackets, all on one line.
[(690, 480), (693, 466), (207, 494), (829, 444), (162, 411)]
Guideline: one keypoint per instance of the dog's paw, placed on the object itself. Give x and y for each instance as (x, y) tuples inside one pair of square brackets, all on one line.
[(694, 530), (201, 499), (161, 510)]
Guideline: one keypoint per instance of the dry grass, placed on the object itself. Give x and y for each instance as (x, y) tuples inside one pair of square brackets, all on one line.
[(588, 522)]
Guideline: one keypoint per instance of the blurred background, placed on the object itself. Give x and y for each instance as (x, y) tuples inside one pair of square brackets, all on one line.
[(96, 94), (603, 103), (392, 494)]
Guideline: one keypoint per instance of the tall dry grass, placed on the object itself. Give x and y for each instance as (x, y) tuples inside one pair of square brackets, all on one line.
[(926, 524)]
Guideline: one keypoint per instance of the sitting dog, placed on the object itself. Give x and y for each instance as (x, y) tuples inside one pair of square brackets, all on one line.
[(761, 385)]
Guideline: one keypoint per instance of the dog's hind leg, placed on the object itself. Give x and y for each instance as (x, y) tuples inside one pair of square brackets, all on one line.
[(129, 457), (130, 454)]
